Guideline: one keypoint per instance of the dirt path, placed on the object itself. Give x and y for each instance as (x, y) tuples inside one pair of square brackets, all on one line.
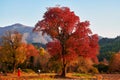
[(108, 76)]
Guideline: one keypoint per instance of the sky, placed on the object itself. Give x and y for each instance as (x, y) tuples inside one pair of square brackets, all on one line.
[(104, 15)]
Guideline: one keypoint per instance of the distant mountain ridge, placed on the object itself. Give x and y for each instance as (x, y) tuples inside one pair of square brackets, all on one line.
[(18, 27), (112, 43), (28, 35), (26, 31)]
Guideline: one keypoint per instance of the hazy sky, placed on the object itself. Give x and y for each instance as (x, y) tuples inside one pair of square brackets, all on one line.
[(104, 15)]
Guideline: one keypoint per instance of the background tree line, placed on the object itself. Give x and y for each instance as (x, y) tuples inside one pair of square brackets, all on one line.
[(14, 53), (108, 47)]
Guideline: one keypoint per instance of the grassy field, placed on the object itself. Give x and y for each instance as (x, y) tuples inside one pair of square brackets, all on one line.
[(53, 76), (46, 76)]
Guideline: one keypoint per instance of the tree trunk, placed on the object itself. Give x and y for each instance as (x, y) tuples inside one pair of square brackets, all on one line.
[(64, 65), (14, 68), (14, 63), (63, 71)]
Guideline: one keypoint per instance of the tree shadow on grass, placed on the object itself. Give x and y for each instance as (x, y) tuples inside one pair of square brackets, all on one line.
[(61, 77)]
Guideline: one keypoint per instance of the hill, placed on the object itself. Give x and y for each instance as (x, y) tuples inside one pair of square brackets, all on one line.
[(108, 46)]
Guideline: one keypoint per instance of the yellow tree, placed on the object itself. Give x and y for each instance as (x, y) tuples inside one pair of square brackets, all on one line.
[(43, 58), (42, 51), (12, 51)]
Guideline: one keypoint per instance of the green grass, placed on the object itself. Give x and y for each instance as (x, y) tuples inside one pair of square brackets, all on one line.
[(42, 79), (82, 75)]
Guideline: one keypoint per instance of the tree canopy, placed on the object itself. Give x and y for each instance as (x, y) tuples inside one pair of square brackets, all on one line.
[(12, 49), (71, 37)]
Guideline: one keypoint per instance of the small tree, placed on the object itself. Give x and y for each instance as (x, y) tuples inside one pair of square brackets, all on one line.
[(31, 52), (71, 38), (44, 57), (114, 65)]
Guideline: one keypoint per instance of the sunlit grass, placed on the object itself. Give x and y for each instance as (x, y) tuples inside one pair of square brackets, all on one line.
[(82, 75), (48, 76)]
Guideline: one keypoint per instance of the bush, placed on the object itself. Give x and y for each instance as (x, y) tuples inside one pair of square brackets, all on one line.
[(114, 66), (82, 69), (28, 70), (93, 70), (102, 68)]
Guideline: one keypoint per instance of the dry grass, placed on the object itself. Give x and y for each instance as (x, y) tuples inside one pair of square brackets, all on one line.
[(53, 76), (34, 76)]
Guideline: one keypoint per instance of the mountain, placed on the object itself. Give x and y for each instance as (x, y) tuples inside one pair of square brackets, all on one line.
[(26, 31), (100, 37)]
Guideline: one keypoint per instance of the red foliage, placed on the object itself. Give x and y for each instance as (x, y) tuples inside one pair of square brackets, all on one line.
[(31, 50), (71, 38), (54, 47), (56, 18)]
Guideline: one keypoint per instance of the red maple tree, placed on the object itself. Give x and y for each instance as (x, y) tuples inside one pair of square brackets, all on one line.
[(31, 50), (71, 38)]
